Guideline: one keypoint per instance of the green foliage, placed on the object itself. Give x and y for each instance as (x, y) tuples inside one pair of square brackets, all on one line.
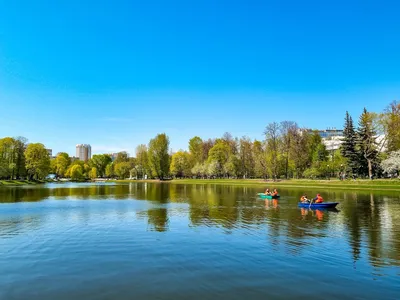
[(76, 172), (196, 149), (158, 156), (100, 162), (93, 173), (247, 161), (37, 161), (7, 158), (62, 162), (180, 164), (391, 122), (122, 169), (366, 145), (122, 157), (142, 161), (218, 156), (348, 147), (109, 170), (232, 166)]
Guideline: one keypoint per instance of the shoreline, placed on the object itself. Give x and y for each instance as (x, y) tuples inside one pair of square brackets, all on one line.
[(361, 184)]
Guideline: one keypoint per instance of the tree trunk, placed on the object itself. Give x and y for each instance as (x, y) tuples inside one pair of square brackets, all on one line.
[(369, 168)]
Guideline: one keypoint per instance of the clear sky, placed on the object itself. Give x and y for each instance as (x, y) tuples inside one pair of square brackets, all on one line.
[(116, 73)]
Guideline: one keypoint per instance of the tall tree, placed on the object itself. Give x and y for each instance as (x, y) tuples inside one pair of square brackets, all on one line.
[(20, 144), (207, 145), (109, 170), (299, 151), (366, 143), (392, 126), (288, 130), (273, 141), (348, 147), (8, 164), (122, 169), (196, 149), (62, 162), (231, 141), (259, 157), (219, 154), (180, 164), (100, 162), (37, 161), (247, 163), (158, 156), (121, 157), (142, 160)]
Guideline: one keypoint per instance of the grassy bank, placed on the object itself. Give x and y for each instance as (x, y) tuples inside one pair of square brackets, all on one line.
[(19, 182), (379, 184)]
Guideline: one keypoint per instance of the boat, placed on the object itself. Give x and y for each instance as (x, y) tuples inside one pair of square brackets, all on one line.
[(262, 195), (318, 205)]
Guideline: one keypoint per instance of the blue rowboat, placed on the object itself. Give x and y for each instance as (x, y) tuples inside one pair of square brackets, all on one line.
[(319, 205), (262, 195)]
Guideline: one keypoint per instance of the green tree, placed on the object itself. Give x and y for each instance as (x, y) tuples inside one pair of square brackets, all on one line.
[(100, 162), (158, 156), (299, 152), (93, 173), (122, 157), (62, 162), (219, 154), (247, 163), (180, 164), (122, 169), (288, 131), (76, 172), (259, 157), (207, 145), (366, 143), (37, 161), (20, 144), (273, 141), (348, 147), (232, 166), (196, 149), (142, 161), (109, 170), (392, 126), (7, 158)]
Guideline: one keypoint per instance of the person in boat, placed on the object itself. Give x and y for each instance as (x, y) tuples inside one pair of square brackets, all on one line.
[(304, 199), (318, 199), (275, 193), (267, 192)]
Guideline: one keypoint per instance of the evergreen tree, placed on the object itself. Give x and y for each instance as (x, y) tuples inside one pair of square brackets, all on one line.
[(348, 148), (366, 144)]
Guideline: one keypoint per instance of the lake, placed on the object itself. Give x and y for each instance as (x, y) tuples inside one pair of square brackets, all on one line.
[(171, 241)]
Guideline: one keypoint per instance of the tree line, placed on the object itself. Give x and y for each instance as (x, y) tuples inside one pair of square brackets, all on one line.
[(370, 149)]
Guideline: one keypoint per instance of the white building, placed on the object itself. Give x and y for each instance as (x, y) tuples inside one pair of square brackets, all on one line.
[(83, 152)]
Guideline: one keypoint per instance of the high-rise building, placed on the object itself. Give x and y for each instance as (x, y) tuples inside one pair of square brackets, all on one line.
[(83, 152), (50, 152)]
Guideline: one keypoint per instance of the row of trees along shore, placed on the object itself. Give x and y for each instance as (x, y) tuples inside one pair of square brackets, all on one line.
[(369, 149)]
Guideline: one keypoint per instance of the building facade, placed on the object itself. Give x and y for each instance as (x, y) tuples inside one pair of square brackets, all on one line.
[(83, 152)]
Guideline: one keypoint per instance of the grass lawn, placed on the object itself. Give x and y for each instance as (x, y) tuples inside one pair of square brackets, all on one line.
[(18, 182)]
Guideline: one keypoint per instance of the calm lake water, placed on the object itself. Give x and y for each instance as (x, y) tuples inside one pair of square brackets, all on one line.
[(167, 241)]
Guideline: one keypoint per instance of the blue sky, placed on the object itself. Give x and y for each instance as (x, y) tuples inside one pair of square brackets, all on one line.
[(116, 73)]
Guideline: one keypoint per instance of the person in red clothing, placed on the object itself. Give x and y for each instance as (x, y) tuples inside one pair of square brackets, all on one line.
[(275, 193), (318, 199)]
